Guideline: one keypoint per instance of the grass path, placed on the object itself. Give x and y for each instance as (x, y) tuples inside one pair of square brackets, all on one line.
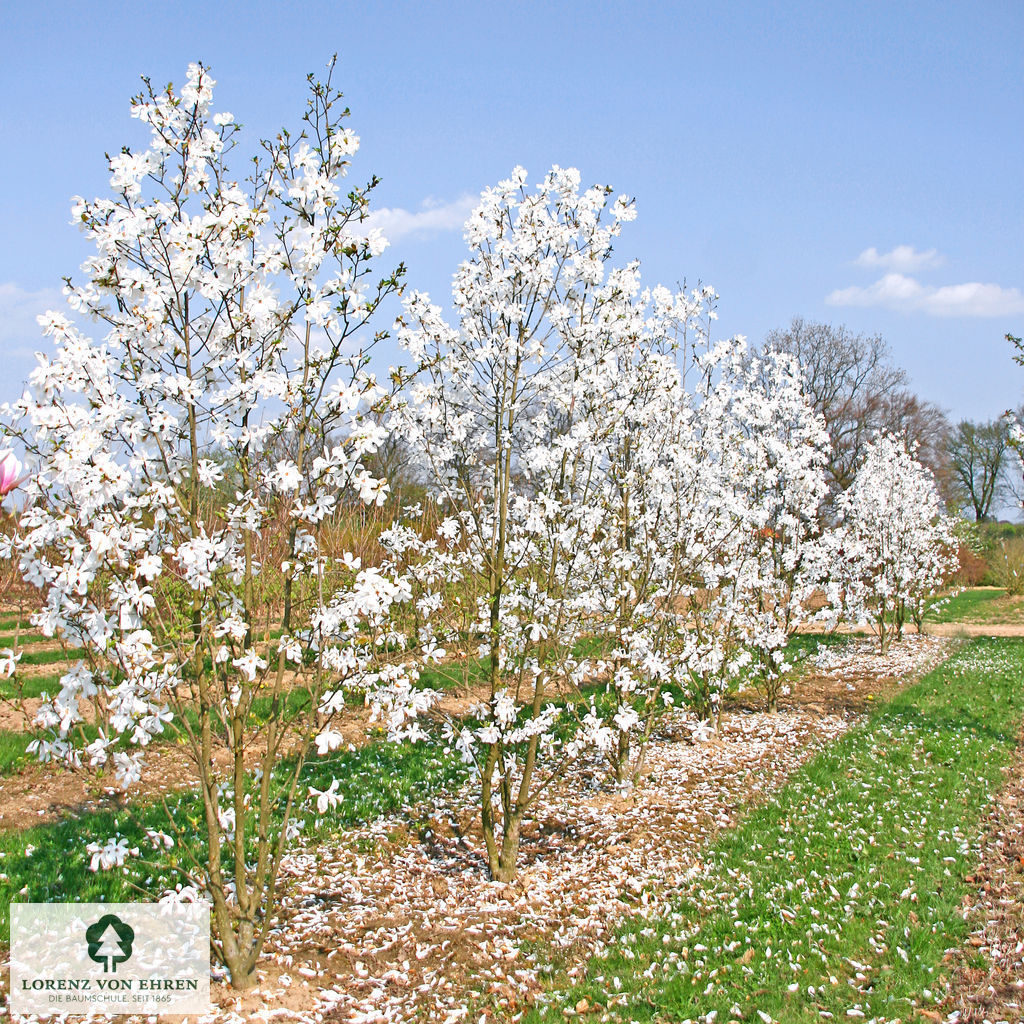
[(971, 605), (978, 606), (840, 898)]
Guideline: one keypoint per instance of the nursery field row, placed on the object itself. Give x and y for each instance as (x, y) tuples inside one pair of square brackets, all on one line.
[(839, 897), (384, 913), (842, 896), (617, 526), (51, 859)]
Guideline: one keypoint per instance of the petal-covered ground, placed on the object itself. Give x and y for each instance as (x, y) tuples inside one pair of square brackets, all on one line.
[(396, 921)]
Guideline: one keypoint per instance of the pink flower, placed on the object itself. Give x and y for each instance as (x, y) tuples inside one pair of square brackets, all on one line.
[(10, 471)]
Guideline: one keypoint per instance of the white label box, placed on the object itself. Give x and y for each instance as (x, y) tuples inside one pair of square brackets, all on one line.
[(149, 958)]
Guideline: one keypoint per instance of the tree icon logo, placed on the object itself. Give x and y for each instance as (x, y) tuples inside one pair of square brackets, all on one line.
[(110, 942)]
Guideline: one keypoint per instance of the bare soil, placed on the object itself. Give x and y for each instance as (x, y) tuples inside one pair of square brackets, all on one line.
[(1004, 629), (961, 629)]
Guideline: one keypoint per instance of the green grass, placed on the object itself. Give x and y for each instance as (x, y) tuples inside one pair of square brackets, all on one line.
[(34, 657), (802, 646), (976, 605), (14, 753), (8, 639), (452, 674), (476, 670), (10, 623), (847, 886), (800, 650), (50, 863), (30, 686), (13, 750)]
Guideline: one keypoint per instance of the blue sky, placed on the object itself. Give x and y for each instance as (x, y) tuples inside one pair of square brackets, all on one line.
[(856, 163)]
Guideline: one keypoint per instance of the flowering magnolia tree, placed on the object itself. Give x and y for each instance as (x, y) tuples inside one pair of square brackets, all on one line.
[(694, 478), (634, 572), (605, 515), (512, 412), (785, 449), (893, 546), (667, 536), (744, 485), (181, 557)]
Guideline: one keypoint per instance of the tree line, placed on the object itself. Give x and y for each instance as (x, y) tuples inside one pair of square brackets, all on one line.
[(859, 391)]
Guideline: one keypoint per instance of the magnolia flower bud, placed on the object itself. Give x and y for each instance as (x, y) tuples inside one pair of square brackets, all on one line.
[(10, 471)]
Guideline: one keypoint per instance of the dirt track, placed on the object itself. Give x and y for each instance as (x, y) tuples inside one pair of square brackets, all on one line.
[(962, 629), (974, 629)]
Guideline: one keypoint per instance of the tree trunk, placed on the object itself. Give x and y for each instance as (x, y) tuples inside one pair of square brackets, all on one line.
[(621, 755), (242, 971), (502, 865), (487, 822), (239, 946), (884, 636)]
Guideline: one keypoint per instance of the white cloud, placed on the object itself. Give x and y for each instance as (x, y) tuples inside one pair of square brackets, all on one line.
[(19, 333), (897, 291), (903, 259), (433, 216)]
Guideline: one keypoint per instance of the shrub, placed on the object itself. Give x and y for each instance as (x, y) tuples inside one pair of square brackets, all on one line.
[(1007, 562), (971, 568)]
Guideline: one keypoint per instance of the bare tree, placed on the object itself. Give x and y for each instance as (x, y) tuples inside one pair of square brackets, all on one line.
[(977, 455), (860, 392), (849, 377)]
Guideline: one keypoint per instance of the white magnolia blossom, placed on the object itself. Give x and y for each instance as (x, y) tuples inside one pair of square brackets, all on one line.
[(8, 662), (327, 798), (112, 854)]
